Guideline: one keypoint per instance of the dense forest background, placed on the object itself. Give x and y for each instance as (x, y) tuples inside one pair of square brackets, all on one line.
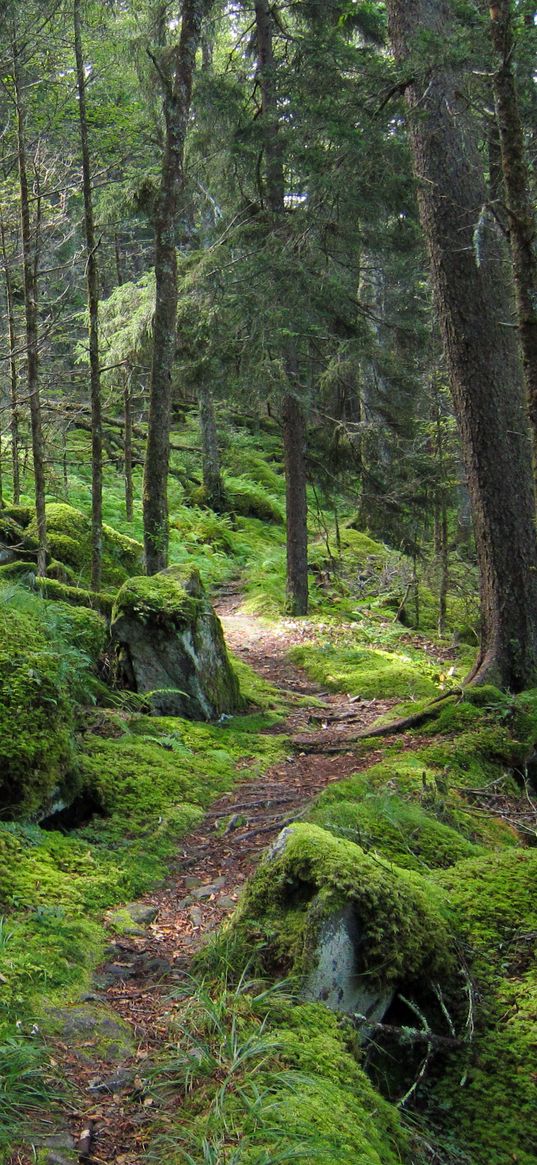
[(268, 340)]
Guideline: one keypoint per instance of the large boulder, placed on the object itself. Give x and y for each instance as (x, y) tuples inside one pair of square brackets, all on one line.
[(348, 928), (169, 644)]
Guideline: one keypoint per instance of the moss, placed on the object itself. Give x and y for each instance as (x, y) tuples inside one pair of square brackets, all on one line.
[(363, 548), (281, 1078), (67, 550), (337, 1106), (161, 599), (486, 1096), (493, 1113), (60, 572), (35, 712), (69, 535), (22, 515), (83, 628), (10, 532), (17, 570), (97, 600), (252, 500), (312, 875), (401, 831), (494, 898), (369, 672)]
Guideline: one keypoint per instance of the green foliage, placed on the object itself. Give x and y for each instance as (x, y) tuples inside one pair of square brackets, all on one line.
[(74, 596), (268, 1079), (252, 500)]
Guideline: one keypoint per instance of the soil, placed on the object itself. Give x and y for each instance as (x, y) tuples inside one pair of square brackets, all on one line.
[(112, 1120)]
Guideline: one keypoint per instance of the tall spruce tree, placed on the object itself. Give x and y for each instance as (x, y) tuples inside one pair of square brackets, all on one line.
[(471, 282)]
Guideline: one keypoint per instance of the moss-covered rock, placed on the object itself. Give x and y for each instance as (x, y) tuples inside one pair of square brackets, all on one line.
[(52, 589), (315, 893), (169, 643), (69, 538), (22, 515)]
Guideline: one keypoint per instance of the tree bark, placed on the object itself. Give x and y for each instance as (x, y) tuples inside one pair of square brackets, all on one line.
[(92, 278), (175, 70), (13, 373), (293, 416), (210, 456), (294, 444), (127, 450), (29, 255), (520, 216), (471, 284)]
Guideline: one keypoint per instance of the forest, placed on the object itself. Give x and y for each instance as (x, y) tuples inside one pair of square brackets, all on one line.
[(268, 582)]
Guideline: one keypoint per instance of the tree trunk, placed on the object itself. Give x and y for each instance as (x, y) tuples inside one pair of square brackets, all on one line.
[(293, 417), (175, 71), (92, 276), (127, 450), (29, 255), (13, 374), (210, 455), (294, 443), (471, 285), (521, 220)]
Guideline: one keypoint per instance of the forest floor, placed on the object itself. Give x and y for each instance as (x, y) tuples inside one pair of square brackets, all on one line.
[(111, 1115)]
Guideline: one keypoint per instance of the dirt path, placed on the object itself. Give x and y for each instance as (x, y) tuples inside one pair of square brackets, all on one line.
[(113, 1117)]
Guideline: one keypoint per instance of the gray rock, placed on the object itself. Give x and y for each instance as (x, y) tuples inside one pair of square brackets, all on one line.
[(93, 1032), (208, 889), (62, 1140), (121, 1080), (142, 912), (132, 918), (333, 979), (169, 644)]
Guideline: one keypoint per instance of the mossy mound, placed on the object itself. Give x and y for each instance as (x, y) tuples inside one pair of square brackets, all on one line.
[(292, 1091), (402, 831), (69, 537), (36, 716), (310, 877), (170, 645), (22, 515), (368, 672), (15, 540), (486, 1097), (252, 500)]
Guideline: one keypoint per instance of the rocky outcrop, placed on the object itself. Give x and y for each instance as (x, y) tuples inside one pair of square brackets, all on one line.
[(169, 645)]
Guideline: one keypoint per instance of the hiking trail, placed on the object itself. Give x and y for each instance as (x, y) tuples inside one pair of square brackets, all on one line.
[(112, 1118)]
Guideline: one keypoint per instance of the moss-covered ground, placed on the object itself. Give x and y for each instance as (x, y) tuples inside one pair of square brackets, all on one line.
[(433, 843)]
